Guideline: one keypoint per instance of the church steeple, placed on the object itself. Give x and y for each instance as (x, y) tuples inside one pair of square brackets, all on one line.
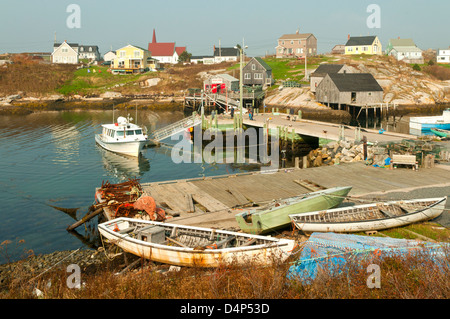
[(154, 36)]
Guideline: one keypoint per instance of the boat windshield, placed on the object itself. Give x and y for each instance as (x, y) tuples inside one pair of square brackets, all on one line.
[(119, 133), (138, 132), (130, 133)]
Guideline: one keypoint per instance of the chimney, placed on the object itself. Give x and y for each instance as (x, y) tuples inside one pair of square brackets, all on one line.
[(348, 37)]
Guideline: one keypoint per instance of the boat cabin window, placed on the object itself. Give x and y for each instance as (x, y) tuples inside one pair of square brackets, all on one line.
[(138, 132), (119, 133), (130, 133)]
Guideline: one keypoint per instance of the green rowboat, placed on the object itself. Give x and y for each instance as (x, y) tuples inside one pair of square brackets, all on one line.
[(275, 216), (440, 133)]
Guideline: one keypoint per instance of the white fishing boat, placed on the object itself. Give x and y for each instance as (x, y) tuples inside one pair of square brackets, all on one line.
[(122, 137), (193, 246), (370, 217)]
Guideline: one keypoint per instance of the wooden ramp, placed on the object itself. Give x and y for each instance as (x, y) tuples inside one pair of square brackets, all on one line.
[(213, 201)]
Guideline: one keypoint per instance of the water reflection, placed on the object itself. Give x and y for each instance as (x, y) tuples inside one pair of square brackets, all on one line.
[(123, 167)]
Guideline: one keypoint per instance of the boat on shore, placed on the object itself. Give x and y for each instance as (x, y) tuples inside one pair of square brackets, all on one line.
[(336, 253), (441, 133), (122, 137), (370, 217), (426, 123), (193, 246), (275, 216)]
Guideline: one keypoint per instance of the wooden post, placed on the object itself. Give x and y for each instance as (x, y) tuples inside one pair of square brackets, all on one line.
[(305, 162), (297, 162)]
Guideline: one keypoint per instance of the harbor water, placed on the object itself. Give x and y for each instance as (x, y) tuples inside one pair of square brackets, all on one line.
[(50, 159)]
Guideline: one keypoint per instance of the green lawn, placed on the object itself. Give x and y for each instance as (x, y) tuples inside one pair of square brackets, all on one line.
[(95, 79)]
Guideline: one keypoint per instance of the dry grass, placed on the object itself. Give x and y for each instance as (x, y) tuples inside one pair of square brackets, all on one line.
[(414, 276), (33, 77), (438, 71)]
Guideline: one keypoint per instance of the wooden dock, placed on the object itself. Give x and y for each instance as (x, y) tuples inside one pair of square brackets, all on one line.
[(323, 129), (213, 201)]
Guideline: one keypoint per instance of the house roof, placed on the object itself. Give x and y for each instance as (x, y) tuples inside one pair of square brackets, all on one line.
[(263, 64), (73, 45), (355, 82), (162, 48), (226, 52), (180, 50), (86, 48), (295, 36), (402, 42), (325, 69), (368, 40), (406, 49)]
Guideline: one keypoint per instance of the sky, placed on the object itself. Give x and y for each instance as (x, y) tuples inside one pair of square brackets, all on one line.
[(31, 25)]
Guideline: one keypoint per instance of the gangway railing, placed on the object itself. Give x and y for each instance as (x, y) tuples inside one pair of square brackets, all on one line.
[(175, 128)]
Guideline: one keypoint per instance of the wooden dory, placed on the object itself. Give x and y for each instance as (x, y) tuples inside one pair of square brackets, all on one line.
[(276, 215), (370, 217), (193, 246)]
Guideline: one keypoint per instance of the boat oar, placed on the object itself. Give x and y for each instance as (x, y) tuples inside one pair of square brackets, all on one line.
[(86, 218)]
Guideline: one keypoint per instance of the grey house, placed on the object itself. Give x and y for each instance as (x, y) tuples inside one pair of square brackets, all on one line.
[(257, 72), (317, 76), (349, 88)]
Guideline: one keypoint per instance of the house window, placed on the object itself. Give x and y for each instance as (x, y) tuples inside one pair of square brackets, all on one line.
[(90, 49), (299, 50), (280, 50), (258, 76), (247, 76), (299, 42), (253, 67), (137, 54), (81, 49), (292, 42), (282, 42), (64, 50), (122, 54)]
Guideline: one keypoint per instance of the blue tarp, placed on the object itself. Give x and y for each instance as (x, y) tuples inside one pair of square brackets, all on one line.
[(332, 251)]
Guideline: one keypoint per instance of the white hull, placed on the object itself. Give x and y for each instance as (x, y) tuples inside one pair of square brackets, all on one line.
[(131, 148), (273, 250), (370, 225)]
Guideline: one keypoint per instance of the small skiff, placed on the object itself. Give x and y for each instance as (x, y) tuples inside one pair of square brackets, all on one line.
[(370, 217), (441, 133), (193, 246), (275, 216)]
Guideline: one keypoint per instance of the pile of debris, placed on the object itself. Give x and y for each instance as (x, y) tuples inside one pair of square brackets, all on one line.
[(128, 199), (377, 155), (338, 152)]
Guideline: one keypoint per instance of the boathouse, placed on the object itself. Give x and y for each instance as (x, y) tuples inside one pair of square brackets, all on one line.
[(221, 83), (350, 89), (317, 76)]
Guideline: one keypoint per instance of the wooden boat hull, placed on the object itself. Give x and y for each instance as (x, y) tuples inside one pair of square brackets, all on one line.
[(272, 249), (130, 148), (318, 219), (277, 217)]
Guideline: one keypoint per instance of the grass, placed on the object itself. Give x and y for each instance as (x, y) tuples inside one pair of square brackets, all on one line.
[(95, 80), (412, 276)]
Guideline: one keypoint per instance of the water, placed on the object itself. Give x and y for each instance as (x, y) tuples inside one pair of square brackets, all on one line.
[(51, 158)]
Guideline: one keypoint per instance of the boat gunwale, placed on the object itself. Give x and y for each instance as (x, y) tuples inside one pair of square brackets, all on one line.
[(305, 197), (293, 217), (275, 242)]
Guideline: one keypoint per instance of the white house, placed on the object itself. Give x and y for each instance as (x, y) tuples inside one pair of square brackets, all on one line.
[(405, 50), (89, 52), (444, 56), (109, 56), (65, 53), (226, 54)]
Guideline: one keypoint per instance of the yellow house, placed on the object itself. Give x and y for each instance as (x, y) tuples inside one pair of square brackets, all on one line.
[(363, 45), (131, 59)]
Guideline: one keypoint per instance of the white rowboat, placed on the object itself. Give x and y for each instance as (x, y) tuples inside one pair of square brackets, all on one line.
[(193, 246), (370, 217)]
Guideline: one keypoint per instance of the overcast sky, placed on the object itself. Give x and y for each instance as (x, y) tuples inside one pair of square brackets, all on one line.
[(30, 25)]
